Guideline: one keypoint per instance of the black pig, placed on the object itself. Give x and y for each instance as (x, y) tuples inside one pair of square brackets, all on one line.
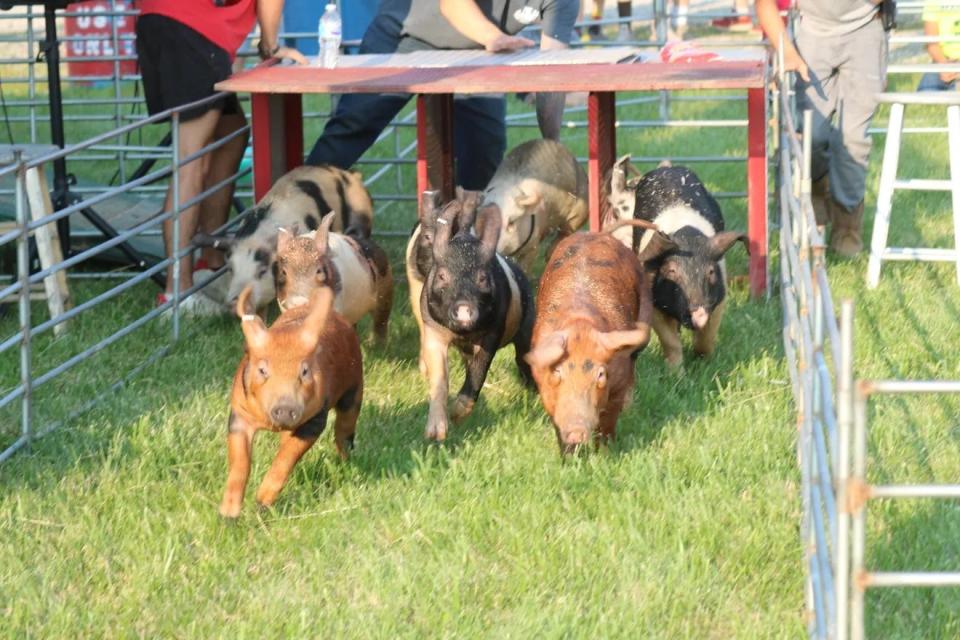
[(476, 300), (687, 254)]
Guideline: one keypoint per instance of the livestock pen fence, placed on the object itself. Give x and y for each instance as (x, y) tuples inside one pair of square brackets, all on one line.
[(832, 413)]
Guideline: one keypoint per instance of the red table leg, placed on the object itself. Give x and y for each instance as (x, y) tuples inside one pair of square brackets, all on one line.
[(602, 147), (277, 138), (757, 189), (435, 144)]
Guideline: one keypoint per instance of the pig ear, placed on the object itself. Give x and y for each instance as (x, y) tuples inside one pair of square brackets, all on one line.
[(445, 223), (284, 238), (525, 200), (429, 205), (721, 243), (659, 246), (321, 301), (618, 181), (254, 331), (488, 230), (322, 238), (221, 243), (614, 341), (548, 352), (470, 201)]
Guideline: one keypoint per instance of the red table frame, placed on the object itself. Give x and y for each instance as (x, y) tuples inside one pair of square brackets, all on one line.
[(278, 117)]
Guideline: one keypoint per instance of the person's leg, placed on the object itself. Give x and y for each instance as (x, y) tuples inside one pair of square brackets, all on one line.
[(354, 127), (819, 95), (625, 10), (223, 163), (479, 139), (194, 135), (932, 82), (862, 76)]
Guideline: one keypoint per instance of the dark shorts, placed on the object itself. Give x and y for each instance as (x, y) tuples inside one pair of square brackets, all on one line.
[(180, 66)]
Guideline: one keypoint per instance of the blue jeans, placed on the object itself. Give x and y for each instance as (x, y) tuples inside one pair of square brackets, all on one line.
[(479, 123), (932, 82)]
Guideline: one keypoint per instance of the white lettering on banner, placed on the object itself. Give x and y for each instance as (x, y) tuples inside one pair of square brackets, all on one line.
[(91, 48)]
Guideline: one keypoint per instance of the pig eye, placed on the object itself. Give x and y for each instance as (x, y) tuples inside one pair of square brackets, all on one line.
[(601, 377), (322, 274), (556, 376), (442, 276), (305, 371), (427, 236), (511, 225), (712, 275), (261, 273), (262, 369), (482, 280)]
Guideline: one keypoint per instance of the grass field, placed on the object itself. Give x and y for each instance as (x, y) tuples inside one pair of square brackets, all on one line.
[(687, 527)]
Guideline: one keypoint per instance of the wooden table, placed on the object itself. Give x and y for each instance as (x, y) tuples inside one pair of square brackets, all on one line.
[(278, 116)]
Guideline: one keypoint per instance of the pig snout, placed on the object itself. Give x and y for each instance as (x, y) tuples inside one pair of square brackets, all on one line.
[(464, 314), (699, 317), (286, 414), (573, 436)]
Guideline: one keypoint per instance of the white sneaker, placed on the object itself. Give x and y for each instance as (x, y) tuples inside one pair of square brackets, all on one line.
[(197, 305)]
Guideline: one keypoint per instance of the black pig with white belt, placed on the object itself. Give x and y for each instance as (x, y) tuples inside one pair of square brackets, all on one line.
[(475, 300), (687, 254)]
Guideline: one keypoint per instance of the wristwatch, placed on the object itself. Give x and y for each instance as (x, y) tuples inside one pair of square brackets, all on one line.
[(266, 51)]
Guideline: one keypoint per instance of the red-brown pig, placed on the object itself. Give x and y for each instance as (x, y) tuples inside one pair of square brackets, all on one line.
[(593, 317), (291, 375)]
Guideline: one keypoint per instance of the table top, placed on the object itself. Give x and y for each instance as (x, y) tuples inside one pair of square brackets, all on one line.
[(746, 72)]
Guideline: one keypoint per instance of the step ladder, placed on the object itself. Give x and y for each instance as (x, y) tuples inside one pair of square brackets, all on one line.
[(879, 251)]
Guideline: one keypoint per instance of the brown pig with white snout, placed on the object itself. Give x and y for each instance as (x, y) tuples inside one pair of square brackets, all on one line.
[(593, 317)]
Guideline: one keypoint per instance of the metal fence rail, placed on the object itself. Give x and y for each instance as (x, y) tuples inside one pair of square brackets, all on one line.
[(29, 328), (831, 406)]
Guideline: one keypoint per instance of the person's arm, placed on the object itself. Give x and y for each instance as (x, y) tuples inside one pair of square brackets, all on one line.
[(467, 18), (768, 15), (268, 15), (932, 28)]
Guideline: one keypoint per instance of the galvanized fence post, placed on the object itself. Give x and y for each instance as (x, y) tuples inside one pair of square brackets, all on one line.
[(23, 275), (174, 267)]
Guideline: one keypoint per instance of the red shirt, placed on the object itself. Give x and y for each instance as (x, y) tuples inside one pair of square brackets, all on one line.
[(226, 27)]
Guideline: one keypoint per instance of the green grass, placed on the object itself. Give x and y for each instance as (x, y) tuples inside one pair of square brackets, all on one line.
[(687, 527)]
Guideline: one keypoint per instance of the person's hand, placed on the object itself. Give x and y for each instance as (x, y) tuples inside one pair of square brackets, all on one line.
[(793, 61), (289, 53), (504, 43), (948, 76)]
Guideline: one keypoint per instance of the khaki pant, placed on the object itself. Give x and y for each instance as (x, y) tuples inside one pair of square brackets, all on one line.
[(846, 73)]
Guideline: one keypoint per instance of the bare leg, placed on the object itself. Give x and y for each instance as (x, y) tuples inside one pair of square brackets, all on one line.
[(194, 135), (292, 448), (668, 330), (239, 444), (705, 340), (223, 163)]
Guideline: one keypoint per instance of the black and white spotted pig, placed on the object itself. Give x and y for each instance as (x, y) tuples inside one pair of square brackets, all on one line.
[(475, 300), (687, 253), (301, 197), (357, 269)]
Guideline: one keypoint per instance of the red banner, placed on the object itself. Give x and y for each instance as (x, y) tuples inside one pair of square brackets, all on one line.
[(90, 35)]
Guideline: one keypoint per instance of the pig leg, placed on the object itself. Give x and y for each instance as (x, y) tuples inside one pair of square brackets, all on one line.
[(293, 444), (381, 313), (705, 340), (521, 347), (668, 330), (239, 444), (434, 354), (416, 288), (345, 426), (477, 366)]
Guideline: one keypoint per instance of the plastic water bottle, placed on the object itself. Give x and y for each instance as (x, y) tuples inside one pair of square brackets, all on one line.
[(331, 30)]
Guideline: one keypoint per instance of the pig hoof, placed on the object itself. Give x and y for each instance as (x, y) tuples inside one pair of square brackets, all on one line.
[(462, 407), (230, 511), (436, 431)]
